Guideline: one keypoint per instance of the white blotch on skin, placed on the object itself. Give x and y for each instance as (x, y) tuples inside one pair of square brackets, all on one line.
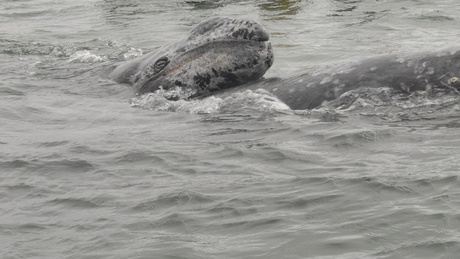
[(430, 71), (326, 80)]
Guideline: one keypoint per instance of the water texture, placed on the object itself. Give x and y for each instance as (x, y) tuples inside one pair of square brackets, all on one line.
[(90, 170)]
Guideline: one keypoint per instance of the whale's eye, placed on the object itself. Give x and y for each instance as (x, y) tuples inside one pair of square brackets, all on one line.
[(161, 63)]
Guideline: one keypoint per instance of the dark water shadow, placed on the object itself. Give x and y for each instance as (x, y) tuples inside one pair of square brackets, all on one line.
[(281, 9), (206, 4)]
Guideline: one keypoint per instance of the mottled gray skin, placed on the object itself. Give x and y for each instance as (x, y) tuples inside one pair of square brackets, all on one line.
[(223, 53), (217, 54), (403, 73)]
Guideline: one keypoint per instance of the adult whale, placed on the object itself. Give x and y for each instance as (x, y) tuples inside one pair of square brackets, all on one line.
[(217, 54), (403, 73), (223, 53)]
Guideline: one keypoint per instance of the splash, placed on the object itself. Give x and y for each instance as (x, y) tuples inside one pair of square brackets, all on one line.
[(257, 101), (125, 51), (362, 98), (84, 56), (177, 100), (390, 105)]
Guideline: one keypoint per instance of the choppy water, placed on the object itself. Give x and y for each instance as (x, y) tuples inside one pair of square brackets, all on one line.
[(89, 170)]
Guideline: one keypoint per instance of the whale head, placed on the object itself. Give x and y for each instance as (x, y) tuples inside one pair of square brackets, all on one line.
[(217, 54)]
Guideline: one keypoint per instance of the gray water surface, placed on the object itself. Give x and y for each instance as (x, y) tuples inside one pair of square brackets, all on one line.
[(90, 170)]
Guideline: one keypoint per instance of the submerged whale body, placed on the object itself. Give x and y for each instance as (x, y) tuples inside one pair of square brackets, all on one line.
[(401, 73), (222, 55)]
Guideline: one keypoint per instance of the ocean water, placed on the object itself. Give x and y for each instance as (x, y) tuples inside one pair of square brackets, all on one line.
[(90, 170)]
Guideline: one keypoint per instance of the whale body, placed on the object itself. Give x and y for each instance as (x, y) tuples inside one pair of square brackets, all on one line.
[(222, 55)]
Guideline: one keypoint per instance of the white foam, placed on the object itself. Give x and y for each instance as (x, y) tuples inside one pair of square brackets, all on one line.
[(132, 53), (84, 56), (259, 101), (176, 100)]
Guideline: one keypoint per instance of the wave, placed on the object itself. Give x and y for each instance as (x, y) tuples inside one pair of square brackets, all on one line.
[(93, 51), (171, 200)]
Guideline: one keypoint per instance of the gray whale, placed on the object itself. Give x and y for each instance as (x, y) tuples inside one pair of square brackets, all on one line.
[(222, 55), (217, 54), (403, 73)]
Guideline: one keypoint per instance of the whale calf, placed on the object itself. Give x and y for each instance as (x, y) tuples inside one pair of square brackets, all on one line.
[(222, 55)]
